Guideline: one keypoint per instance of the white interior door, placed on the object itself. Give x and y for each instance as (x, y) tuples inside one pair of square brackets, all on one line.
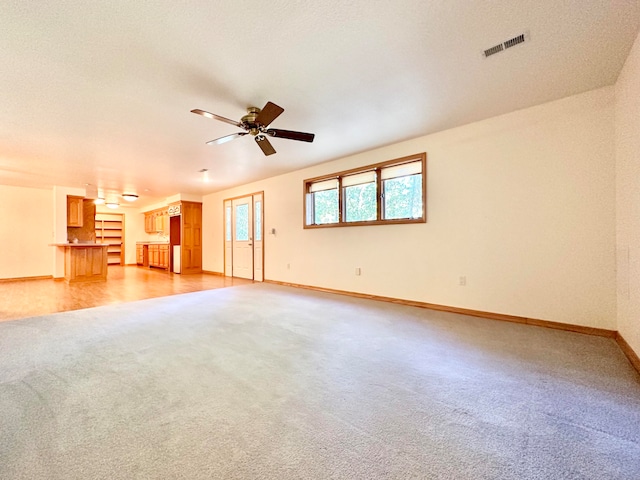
[(258, 234), (242, 222)]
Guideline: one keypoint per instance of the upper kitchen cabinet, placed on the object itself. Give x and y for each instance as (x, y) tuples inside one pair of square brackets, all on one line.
[(157, 221), (74, 211), (150, 222)]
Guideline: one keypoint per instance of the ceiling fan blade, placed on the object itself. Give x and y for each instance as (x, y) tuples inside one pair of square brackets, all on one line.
[(268, 114), (226, 138), (216, 117), (301, 136), (265, 145)]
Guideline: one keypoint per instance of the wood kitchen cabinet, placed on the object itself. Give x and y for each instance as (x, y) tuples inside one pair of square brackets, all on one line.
[(159, 255), (74, 211), (191, 244), (157, 221), (150, 222), (142, 255), (186, 233), (84, 262), (164, 256)]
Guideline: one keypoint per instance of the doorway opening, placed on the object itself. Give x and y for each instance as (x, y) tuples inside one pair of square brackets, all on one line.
[(110, 230), (244, 237)]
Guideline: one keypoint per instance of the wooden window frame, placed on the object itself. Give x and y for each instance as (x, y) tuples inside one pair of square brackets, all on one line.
[(377, 167)]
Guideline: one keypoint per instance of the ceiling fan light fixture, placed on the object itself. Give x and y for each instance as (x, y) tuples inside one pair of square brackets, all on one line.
[(256, 122), (99, 201), (112, 205), (130, 197)]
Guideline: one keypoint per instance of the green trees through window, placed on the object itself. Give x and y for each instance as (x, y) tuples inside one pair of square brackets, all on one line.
[(325, 206), (360, 202), (388, 192), (403, 197)]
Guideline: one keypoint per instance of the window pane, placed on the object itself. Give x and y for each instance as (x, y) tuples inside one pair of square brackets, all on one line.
[(258, 221), (242, 222), (325, 206), (403, 197), (360, 202), (228, 223)]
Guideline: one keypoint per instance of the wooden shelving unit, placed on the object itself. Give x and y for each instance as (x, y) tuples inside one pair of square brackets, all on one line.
[(110, 231)]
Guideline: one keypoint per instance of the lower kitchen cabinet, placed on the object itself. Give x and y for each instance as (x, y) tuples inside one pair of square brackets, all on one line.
[(158, 256)]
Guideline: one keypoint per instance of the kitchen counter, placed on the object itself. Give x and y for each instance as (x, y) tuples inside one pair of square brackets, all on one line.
[(153, 254)]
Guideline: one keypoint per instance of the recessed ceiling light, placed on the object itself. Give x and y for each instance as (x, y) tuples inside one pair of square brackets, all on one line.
[(112, 205), (99, 201), (130, 197)]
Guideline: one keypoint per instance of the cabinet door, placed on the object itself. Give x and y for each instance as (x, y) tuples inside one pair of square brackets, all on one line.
[(159, 221), (74, 211), (165, 223), (191, 237), (140, 254), (164, 256), (153, 255), (149, 222)]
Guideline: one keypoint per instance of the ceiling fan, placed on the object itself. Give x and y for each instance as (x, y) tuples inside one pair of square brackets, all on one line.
[(256, 122)]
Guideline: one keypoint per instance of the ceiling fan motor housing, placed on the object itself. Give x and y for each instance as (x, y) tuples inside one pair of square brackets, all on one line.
[(249, 120)]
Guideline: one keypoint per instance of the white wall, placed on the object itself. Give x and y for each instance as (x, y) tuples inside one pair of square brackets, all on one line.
[(25, 232), (627, 135), (523, 205)]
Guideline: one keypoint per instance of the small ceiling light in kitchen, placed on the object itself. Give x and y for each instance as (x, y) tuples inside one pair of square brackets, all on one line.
[(99, 201), (130, 197), (205, 174), (112, 205)]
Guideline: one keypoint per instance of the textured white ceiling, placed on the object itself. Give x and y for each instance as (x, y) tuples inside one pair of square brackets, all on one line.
[(101, 92)]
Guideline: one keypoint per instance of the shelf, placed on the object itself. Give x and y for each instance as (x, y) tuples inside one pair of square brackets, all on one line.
[(110, 232)]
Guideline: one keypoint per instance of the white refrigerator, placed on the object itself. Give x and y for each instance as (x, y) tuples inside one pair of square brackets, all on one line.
[(176, 258)]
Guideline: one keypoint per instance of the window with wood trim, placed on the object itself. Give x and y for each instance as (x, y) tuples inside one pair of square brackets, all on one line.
[(384, 193)]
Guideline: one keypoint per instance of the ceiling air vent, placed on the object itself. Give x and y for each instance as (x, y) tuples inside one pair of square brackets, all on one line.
[(512, 42), (493, 50)]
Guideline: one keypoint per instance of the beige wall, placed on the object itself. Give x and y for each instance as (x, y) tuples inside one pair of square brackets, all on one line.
[(523, 205), (627, 135), (25, 232)]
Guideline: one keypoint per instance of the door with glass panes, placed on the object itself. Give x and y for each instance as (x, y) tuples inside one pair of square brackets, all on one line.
[(244, 231)]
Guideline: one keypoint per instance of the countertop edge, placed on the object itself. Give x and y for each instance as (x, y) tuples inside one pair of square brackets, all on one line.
[(79, 245)]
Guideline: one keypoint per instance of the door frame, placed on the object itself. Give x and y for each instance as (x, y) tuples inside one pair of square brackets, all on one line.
[(122, 235), (229, 273)]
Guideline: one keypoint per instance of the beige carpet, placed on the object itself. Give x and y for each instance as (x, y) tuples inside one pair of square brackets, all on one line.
[(268, 382)]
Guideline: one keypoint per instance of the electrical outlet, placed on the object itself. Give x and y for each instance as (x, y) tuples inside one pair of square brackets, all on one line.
[(463, 281), (358, 271)]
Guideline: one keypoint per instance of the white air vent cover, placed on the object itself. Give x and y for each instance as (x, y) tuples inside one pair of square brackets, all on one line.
[(512, 42)]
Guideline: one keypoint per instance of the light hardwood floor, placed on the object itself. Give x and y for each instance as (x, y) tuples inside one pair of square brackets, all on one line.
[(28, 298)]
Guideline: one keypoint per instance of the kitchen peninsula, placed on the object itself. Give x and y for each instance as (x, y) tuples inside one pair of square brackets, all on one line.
[(84, 262)]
